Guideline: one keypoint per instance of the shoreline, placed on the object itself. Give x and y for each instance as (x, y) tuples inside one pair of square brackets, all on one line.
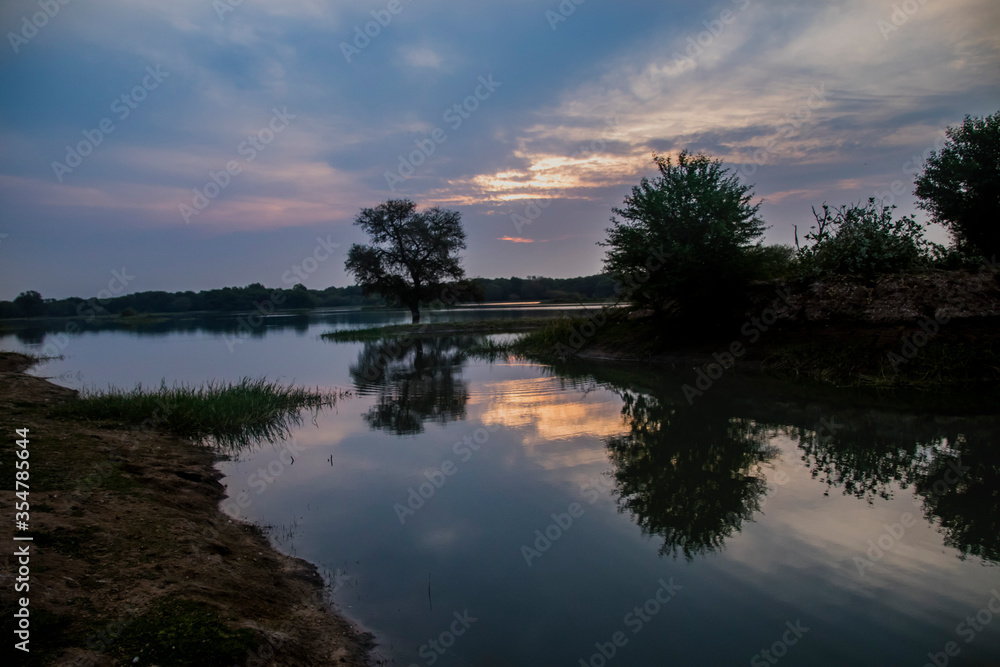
[(131, 550)]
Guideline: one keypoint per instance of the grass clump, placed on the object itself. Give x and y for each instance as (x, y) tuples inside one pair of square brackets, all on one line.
[(231, 413), (499, 325), (177, 632)]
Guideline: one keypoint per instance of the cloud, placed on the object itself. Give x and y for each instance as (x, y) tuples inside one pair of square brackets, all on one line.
[(422, 56)]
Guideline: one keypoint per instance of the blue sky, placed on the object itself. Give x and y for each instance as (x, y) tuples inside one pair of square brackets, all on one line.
[(560, 107)]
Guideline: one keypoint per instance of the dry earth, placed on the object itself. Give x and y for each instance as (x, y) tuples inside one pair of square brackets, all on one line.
[(125, 524)]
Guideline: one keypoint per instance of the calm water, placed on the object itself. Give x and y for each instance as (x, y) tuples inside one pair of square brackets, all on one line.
[(507, 513)]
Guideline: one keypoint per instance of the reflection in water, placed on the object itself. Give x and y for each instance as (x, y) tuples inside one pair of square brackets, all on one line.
[(690, 475), (415, 380), (30, 335), (968, 509), (246, 439), (952, 466)]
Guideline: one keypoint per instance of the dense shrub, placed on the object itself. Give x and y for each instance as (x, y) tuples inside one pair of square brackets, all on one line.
[(683, 237), (865, 240), (772, 262)]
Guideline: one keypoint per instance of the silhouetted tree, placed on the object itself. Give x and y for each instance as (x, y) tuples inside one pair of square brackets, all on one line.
[(684, 236), (960, 185), (30, 303), (412, 254)]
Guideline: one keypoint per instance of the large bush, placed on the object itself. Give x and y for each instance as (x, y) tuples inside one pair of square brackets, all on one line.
[(772, 262), (865, 240), (683, 237), (960, 185)]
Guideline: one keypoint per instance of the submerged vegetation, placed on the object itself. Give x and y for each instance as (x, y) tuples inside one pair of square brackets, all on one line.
[(232, 414)]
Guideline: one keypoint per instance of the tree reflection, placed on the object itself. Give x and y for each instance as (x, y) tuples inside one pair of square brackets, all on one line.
[(414, 380), (952, 466), (690, 475), (961, 489)]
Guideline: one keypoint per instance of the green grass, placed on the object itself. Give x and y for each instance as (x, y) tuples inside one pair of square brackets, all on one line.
[(233, 414), (177, 632), (499, 325)]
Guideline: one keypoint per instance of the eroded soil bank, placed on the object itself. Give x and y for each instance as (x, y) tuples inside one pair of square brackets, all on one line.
[(131, 557)]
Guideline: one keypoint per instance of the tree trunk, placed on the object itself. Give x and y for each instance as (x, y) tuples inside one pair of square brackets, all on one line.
[(415, 311)]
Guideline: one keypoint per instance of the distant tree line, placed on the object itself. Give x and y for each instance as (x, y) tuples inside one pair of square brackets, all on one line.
[(248, 298), (226, 299), (600, 287)]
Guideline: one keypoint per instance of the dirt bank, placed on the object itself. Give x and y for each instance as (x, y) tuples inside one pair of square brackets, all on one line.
[(927, 330), (131, 557)]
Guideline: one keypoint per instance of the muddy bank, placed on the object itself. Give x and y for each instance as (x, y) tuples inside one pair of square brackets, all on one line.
[(131, 557), (924, 330)]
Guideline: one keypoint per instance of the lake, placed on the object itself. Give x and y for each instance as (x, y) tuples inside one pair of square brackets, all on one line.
[(477, 512)]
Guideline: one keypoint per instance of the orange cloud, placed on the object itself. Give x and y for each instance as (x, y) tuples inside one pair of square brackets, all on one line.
[(514, 239)]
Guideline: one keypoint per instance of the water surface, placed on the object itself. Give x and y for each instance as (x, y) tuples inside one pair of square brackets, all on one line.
[(508, 513)]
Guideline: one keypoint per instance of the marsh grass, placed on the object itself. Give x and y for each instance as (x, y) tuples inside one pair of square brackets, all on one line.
[(31, 359), (230, 414)]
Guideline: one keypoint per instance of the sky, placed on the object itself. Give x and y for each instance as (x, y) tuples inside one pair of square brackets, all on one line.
[(194, 144)]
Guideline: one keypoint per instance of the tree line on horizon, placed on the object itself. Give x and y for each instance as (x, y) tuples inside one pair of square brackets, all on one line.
[(599, 287)]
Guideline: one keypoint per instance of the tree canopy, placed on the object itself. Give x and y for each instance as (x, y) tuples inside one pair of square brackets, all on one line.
[(960, 185), (412, 254), (30, 302), (684, 236)]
